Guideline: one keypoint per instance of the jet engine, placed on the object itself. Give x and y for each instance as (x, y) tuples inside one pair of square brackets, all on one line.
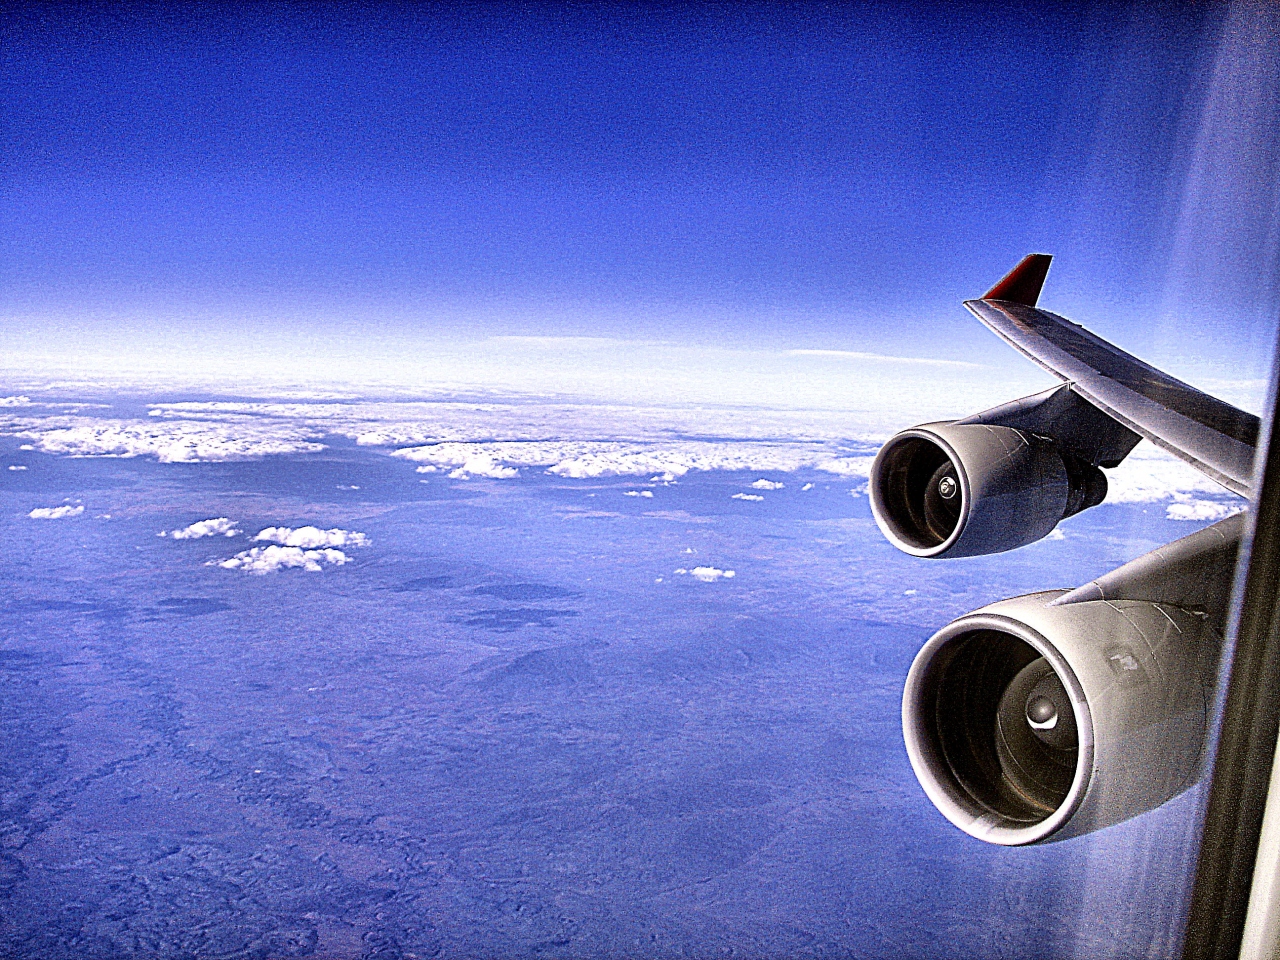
[(997, 480), (965, 489), (1055, 714), (1033, 719)]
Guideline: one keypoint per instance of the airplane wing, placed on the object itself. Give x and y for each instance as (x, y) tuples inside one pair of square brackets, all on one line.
[(1214, 437), (1058, 713)]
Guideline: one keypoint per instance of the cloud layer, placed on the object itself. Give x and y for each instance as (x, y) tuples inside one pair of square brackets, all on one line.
[(502, 438), (172, 442), (578, 460)]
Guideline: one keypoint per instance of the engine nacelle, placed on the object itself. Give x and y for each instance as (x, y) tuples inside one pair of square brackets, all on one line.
[(966, 489), (1027, 721)]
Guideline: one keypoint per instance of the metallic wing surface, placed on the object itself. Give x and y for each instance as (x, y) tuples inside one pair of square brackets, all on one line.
[(1214, 437), (1062, 712)]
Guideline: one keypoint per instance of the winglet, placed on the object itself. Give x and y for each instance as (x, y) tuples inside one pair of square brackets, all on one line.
[(1022, 284)]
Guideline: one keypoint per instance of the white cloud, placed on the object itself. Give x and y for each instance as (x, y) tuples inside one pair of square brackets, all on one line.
[(1149, 475), (663, 461), (218, 526), (168, 441), (263, 560), (639, 493), (678, 458), (707, 574), (1055, 534), (847, 466), (482, 465), (591, 343), (55, 513), (763, 484), (16, 467), (15, 402), (806, 487), (305, 548), (312, 537), (466, 460), (1189, 509), (26, 446), (881, 358), (747, 496)]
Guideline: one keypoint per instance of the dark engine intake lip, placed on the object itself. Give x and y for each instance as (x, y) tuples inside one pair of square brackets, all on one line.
[(898, 530), (923, 742)]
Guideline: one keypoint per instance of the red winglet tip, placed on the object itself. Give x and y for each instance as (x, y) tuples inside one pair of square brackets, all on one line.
[(1023, 283)]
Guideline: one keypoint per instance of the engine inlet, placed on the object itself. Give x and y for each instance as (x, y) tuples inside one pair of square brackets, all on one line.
[(992, 732), (919, 489)]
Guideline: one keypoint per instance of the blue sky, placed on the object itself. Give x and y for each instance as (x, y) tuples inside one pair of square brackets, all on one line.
[(367, 184)]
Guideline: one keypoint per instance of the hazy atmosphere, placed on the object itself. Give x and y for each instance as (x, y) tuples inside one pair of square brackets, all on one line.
[(434, 447)]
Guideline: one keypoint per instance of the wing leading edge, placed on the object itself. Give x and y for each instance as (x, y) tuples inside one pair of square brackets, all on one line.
[(1214, 437)]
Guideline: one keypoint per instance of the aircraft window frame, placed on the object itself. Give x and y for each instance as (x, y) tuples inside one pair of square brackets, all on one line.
[(1248, 720)]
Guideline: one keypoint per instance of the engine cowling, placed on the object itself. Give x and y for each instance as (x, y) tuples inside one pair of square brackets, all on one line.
[(967, 489), (1027, 721)]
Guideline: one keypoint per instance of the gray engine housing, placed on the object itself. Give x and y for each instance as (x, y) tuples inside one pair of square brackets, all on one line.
[(997, 480), (1012, 489), (1139, 676)]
